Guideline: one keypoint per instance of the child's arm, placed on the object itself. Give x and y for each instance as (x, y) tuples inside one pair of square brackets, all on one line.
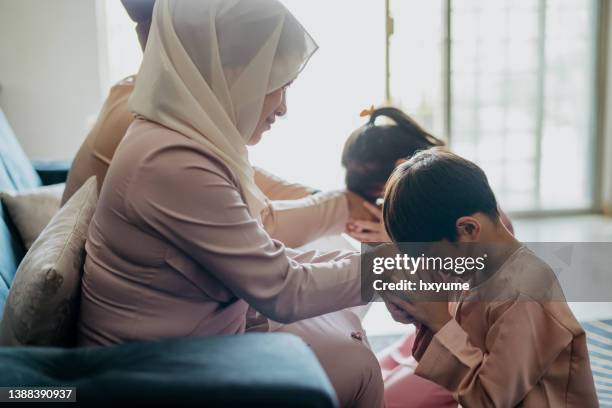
[(297, 222), (521, 344), (276, 188)]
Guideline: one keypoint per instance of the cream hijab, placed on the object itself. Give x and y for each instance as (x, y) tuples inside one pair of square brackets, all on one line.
[(207, 68)]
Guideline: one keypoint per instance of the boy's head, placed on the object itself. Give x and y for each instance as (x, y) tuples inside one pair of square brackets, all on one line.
[(436, 196), (373, 151)]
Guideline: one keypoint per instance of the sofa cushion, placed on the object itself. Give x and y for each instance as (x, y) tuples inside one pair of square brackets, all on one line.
[(52, 171), (15, 162), (42, 305), (32, 209), (251, 370), (6, 184), (9, 250)]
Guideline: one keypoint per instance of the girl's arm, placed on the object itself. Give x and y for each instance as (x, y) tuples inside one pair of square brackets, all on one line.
[(297, 222), (297, 215), (276, 188)]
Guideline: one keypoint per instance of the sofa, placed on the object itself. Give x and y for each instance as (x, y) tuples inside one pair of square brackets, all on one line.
[(264, 369)]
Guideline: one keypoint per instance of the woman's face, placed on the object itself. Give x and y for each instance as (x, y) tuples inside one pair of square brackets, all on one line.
[(275, 104)]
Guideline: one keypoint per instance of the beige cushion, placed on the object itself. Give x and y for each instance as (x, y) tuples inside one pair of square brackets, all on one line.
[(42, 304), (32, 210)]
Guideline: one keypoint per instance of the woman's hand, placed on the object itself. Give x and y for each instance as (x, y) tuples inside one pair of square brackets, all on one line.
[(434, 315), (365, 223)]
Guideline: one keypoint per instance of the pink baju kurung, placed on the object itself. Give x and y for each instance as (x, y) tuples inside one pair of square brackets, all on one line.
[(172, 251)]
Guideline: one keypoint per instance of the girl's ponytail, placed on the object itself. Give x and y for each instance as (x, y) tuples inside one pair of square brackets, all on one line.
[(371, 152), (407, 124)]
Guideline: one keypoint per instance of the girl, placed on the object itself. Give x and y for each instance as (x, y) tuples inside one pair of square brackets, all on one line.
[(370, 155)]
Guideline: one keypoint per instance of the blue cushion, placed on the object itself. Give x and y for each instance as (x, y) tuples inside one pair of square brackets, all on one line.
[(17, 174), (6, 184), (14, 160), (4, 291), (8, 259), (52, 171), (251, 370)]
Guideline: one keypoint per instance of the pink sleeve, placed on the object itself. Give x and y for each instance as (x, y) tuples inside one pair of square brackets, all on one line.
[(421, 341), (192, 202), (276, 188), (297, 222), (521, 345)]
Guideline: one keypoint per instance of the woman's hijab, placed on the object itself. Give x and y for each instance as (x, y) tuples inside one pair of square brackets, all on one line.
[(207, 68)]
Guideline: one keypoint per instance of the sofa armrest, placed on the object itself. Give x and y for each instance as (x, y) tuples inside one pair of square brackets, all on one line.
[(52, 171), (259, 369)]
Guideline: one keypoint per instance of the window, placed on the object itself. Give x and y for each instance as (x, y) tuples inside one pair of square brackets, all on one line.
[(510, 83), (416, 63), (342, 78), (517, 90), (120, 52)]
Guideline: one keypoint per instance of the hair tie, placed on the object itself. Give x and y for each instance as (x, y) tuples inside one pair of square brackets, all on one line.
[(367, 112)]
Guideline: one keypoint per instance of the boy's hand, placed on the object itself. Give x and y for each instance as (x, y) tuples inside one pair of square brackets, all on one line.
[(399, 315), (432, 314)]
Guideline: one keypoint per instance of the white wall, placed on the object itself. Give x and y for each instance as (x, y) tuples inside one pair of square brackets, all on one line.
[(607, 142), (49, 73), (120, 53)]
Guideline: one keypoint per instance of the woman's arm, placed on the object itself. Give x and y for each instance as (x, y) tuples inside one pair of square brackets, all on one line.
[(192, 202)]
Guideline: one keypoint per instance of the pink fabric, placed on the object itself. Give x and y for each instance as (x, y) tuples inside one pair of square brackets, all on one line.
[(405, 389), (509, 345), (172, 251), (341, 345)]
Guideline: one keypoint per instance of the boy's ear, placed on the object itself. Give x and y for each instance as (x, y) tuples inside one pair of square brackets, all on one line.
[(468, 229)]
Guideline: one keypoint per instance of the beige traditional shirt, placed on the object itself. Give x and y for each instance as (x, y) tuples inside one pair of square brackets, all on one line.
[(518, 351)]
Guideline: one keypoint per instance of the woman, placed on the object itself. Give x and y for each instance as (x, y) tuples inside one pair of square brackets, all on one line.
[(318, 213), (176, 246)]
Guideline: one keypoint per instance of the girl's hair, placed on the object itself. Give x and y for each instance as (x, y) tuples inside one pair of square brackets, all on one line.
[(372, 151), (428, 194)]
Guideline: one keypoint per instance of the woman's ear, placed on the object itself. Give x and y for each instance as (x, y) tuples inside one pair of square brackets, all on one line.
[(468, 229)]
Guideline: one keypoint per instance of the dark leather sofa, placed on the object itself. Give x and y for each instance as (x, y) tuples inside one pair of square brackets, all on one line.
[(261, 370)]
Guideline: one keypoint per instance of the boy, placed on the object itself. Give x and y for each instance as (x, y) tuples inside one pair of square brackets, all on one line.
[(522, 348)]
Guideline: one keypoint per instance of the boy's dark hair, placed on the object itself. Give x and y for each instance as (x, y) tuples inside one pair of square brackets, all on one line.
[(371, 152), (426, 195)]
